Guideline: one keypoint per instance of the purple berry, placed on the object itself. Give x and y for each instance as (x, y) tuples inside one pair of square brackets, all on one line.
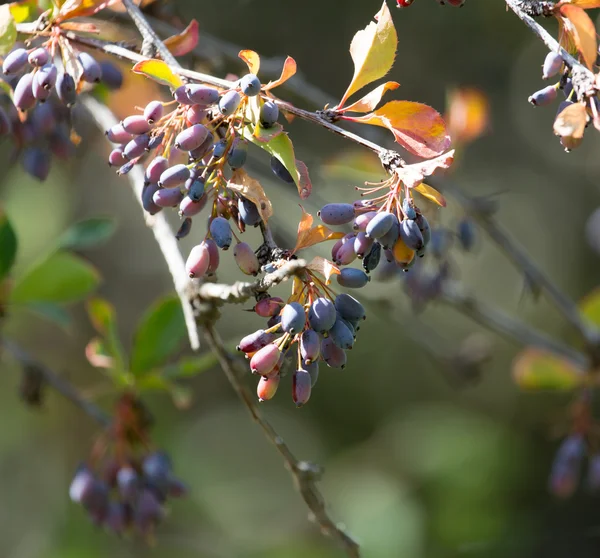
[(310, 345), (229, 103), (167, 197), (191, 137), (321, 315), (198, 260), (65, 89), (332, 354), (156, 167), (117, 134), (543, 97), (269, 113), (301, 387), (255, 341), (293, 317), (153, 111), (221, 232), (15, 61), (552, 65), (91, 70), (23, 94), (336, 213), (111, 75), (174, 176), (246, 259), (380, 224), (136, 124), (265, 359), (201, 94), (38, 57), (250, 85)]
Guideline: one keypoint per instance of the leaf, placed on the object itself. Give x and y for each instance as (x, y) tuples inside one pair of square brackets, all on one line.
[(323, 267), (581, 29), (372, 99), (52, 312), (60, 278), (265, 135), (418, 128), (535, 369), (184, 42), (431, 194), (373, 51), (103, 316), (309, 235), (250, 188), (586, 4), (98, 355), (468, 114), (289, 69), (23, 11), (8, 245), (159, 71), (159, 334), (304, 183), (8, 30), (413, 175), (571, 122), (252, 60), (87, 233), (82, 8), (590, 306)]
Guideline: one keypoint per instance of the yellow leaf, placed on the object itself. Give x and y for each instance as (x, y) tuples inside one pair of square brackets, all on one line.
[(159, 71), (535, 369), (371, 100), (581, 29), (289, 69), (590, 306), (402, 253), (251, 189), (24, 10), (373, 50), (184, 42), (323, 267), (586, 4), (418, 128), (252, 60), (431, 194), (570, 123)]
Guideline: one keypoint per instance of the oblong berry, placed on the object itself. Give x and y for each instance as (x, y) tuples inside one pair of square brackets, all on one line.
[(155, 168), (280, 171), (408, 208), (46, 76), (65, 89), (255, 341), (136, 124), (136, 147), (342, 335), (349, 308), (380, 224), (203, 149), (333, 356), (411, 235), (543, 97), (265, 359), (293, 317), (310, 345), (117, 134), (23, 97), (321, 315), (221, 232), (246, 259), (180, 95), (191, 137), (301, 387), (401, 253), (153, 111), (116, 157), (229, 103), (268, 115), (362, 220), (148, 198), (345, 253), (250, 85), (362, 244), (552, 65), (313, 369), (195, 114), (336, 213), (112, 77), (14, 61), (167, 197), (195, 188), (36, 162), (197, 262), (248, 212), (424, 227), (220, 149), (91, 70), (267, 387), (185, 227), (372, 259), (215, 256), (38, 57), (236, 158), (268, 307), (174, 176), (201, 94), (189, 208)]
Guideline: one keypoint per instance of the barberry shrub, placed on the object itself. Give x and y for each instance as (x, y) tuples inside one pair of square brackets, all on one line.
[(190, 145)]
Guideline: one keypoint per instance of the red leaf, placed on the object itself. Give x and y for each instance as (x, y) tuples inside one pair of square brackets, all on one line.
[(580, 28), (184, 42), (372, 99), (418, 128), (252, 60), (289, 69)]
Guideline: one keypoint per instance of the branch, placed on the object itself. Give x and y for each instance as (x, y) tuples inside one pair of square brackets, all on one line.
[(54, 380), (161, 229), (305, 474)]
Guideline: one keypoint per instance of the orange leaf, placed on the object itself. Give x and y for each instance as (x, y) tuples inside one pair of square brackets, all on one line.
[(431, 194), (159, 71), (371, 100), (323, 267), (82, 8), (250, 188), (579, 26), (289, 69), (80, 27), (304, 227), (309, 235), (184, 42), (586, 4), (536, 369), (468, 114), (418, 128), (252, 60), (412, 175), (373, 50), (571, 122)]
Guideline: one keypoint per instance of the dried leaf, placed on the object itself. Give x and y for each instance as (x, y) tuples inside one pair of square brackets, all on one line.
[(412, 175), (418, 128), (579, 26), (252, 60), (304, 183), (373, 50), (323, 267), (304, 227), (535, 369), (82, 8), (468, 114), (159, 71), (372, 99), (570, 123), (289, 69), (251, 189), (184, 42), (431, 194), (309, 235)]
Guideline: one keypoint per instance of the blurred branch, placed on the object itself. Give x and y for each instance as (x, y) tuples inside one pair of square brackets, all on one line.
[(55, 381), (161, 229), (305, 474)]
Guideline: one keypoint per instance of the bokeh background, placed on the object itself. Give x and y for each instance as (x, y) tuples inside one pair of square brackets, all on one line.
[(415, 467)]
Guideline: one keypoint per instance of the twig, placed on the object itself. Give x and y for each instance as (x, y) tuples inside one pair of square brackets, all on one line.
[(305, 474), (161, 229), (52, 379), (513, 329)]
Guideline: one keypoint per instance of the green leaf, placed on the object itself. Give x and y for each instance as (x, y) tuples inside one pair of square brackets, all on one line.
[(8, 245), (160, 333), (52, 312), (534, 369), (188, 367), (159, 71), (8, 30), (590, 306), (61, 278), (103, 316), (88, 233)]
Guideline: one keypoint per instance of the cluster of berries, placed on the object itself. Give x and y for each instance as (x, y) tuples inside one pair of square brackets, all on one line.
[(40, 122), (322, 326), (127, 496)]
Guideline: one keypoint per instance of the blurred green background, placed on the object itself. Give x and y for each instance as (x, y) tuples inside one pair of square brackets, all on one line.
[(414, 467)]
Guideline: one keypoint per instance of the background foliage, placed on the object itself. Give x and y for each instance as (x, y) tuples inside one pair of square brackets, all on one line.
[(415, 467)]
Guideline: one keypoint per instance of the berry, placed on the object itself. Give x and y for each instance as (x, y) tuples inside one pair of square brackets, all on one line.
[(111, 75), (39, 57), (215, 257), (136, 124), (544, 96), (333, 356), (250, 85), (117, 134), (195, 114), (221, 232), (301, 387), (310, 345), (380, 224), (255, 341), (191, 137), (195, 188), (174, 176), (246, 259), (23, 93), (265, 359), (167, 197), (352, 278), (15, 61), (269, 113), (180, 95), (229, 103), (154, 170), (371, 260), (185, 228), (342, 335), (336, 213), (361, 221), (201, 94), (248, 212), (552, 65), (136, 147), (148, 198), (411, 235), (237, 154), (65, 89), (91, 70), (293, 317), (267, 387), (313, 369), (268, 307), (466, 233), (362, 244), (36, 162), (408, 209), (198, 260), (280, 171), (46, 76), (219, 149), (321, 315), (189, 208), (349, 308), (153, 111)]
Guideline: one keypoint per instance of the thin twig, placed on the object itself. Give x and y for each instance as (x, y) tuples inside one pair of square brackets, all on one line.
[(52, 379), (305, 474), (161, 229)]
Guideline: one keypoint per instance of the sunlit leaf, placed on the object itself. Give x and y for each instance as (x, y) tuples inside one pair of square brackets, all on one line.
[(467, 115), (184, 42), (88, 233), (431, 194), (8, 30), (8, 245), (82, 8), (252, 60), (52, 312), (80, 27), (418, 128), (62, 277), (159, 335), (534, 369), (304, 226), (251, 189), (265, 135), (586, 4), (98, 355), (372, 99), (309, 235), (289, 69), (582, 30), (103, 316), (159, 71), (571, 122), (590, 307), (413, 175), (323, 267), (373, 50), (24, 11)]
